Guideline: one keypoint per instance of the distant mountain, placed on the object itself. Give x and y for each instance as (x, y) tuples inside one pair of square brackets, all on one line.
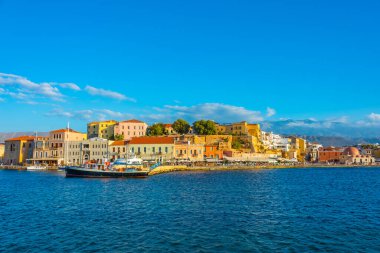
[(340, 141), (322, 128), (5, 136)]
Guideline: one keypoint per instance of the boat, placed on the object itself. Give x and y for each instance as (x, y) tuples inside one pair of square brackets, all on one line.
[(121, 168), (99, 173), (36, 168)]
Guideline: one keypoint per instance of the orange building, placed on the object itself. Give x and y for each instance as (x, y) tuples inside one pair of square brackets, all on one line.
[(213, 152), (329, 154)]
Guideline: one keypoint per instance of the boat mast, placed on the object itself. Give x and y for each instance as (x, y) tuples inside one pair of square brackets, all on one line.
[(66, 141)]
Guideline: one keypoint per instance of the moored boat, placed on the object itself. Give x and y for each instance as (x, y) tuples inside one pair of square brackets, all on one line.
[(121, 168), (99, 173)]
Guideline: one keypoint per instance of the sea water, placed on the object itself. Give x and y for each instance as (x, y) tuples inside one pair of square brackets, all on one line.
[(283, 210)]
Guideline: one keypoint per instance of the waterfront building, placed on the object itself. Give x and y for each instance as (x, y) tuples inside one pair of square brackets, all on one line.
[(94, 150), (329, 154), (18, 150), (130, 128), (152, 148), (299, 146), (53, 150), (101, 129), (212, 151), (118, 149), (352, 155), (185, 150), (312, 154), (2, 151)]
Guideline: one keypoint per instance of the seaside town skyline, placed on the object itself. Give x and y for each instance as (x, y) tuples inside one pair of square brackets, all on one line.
[(202, 143)]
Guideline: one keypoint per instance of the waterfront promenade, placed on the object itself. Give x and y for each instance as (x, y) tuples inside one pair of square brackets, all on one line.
[(237, 167)]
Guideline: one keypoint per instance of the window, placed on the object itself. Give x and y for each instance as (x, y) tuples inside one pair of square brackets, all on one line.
[(138, 150), (166, 149), (154, 149), (159, 150), (144, 149)]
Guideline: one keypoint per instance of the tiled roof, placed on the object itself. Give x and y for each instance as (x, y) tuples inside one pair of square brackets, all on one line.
[(63, 130), (152, 140), (133, 121), (167, 125), (22, 138), (118, 143)]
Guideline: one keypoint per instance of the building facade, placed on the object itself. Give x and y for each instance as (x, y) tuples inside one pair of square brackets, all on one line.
[(329, 154), (130, 128), (213, 152), (185, 150), (53, 150), (94, 150), (18, 150), (2, 151), (101, 129), (118, 149), (152, 148), (239, 128), (352, 155)]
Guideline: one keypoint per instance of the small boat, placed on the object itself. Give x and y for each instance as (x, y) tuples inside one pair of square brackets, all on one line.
[(36, 168)]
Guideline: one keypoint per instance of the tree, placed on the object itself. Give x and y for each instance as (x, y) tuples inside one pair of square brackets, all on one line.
[(119, 137), (237, 144), (204, 127), (181, 126), (156, 129)]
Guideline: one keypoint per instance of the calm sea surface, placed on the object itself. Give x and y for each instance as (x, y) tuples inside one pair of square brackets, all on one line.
[(292, 210)]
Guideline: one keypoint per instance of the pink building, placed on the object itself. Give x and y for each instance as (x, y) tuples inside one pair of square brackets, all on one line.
[(130, 128)]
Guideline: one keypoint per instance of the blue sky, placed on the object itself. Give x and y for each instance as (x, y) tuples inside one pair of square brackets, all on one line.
[(159, 60)]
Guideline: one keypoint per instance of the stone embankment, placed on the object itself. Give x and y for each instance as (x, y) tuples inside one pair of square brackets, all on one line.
[(168, 169)]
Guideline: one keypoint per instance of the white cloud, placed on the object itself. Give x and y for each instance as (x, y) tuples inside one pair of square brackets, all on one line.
[(374, 117), (270, 112), (71, 86), (107, 93), (218, 112), (32, 88), (88, 115)]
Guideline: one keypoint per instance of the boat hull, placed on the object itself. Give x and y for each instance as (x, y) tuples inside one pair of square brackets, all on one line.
[(91, 173)]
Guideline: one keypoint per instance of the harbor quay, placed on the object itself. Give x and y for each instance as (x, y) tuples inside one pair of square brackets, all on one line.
[(197, 146)]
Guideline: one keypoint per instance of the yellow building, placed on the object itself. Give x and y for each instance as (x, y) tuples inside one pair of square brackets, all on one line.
[(2, 150), (152, 148), (18, 150), (185, 150), (223, 142), (240, 128), (101, 129), (298, 145)]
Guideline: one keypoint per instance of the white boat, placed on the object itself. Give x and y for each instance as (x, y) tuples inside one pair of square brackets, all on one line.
[(36, 168)]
